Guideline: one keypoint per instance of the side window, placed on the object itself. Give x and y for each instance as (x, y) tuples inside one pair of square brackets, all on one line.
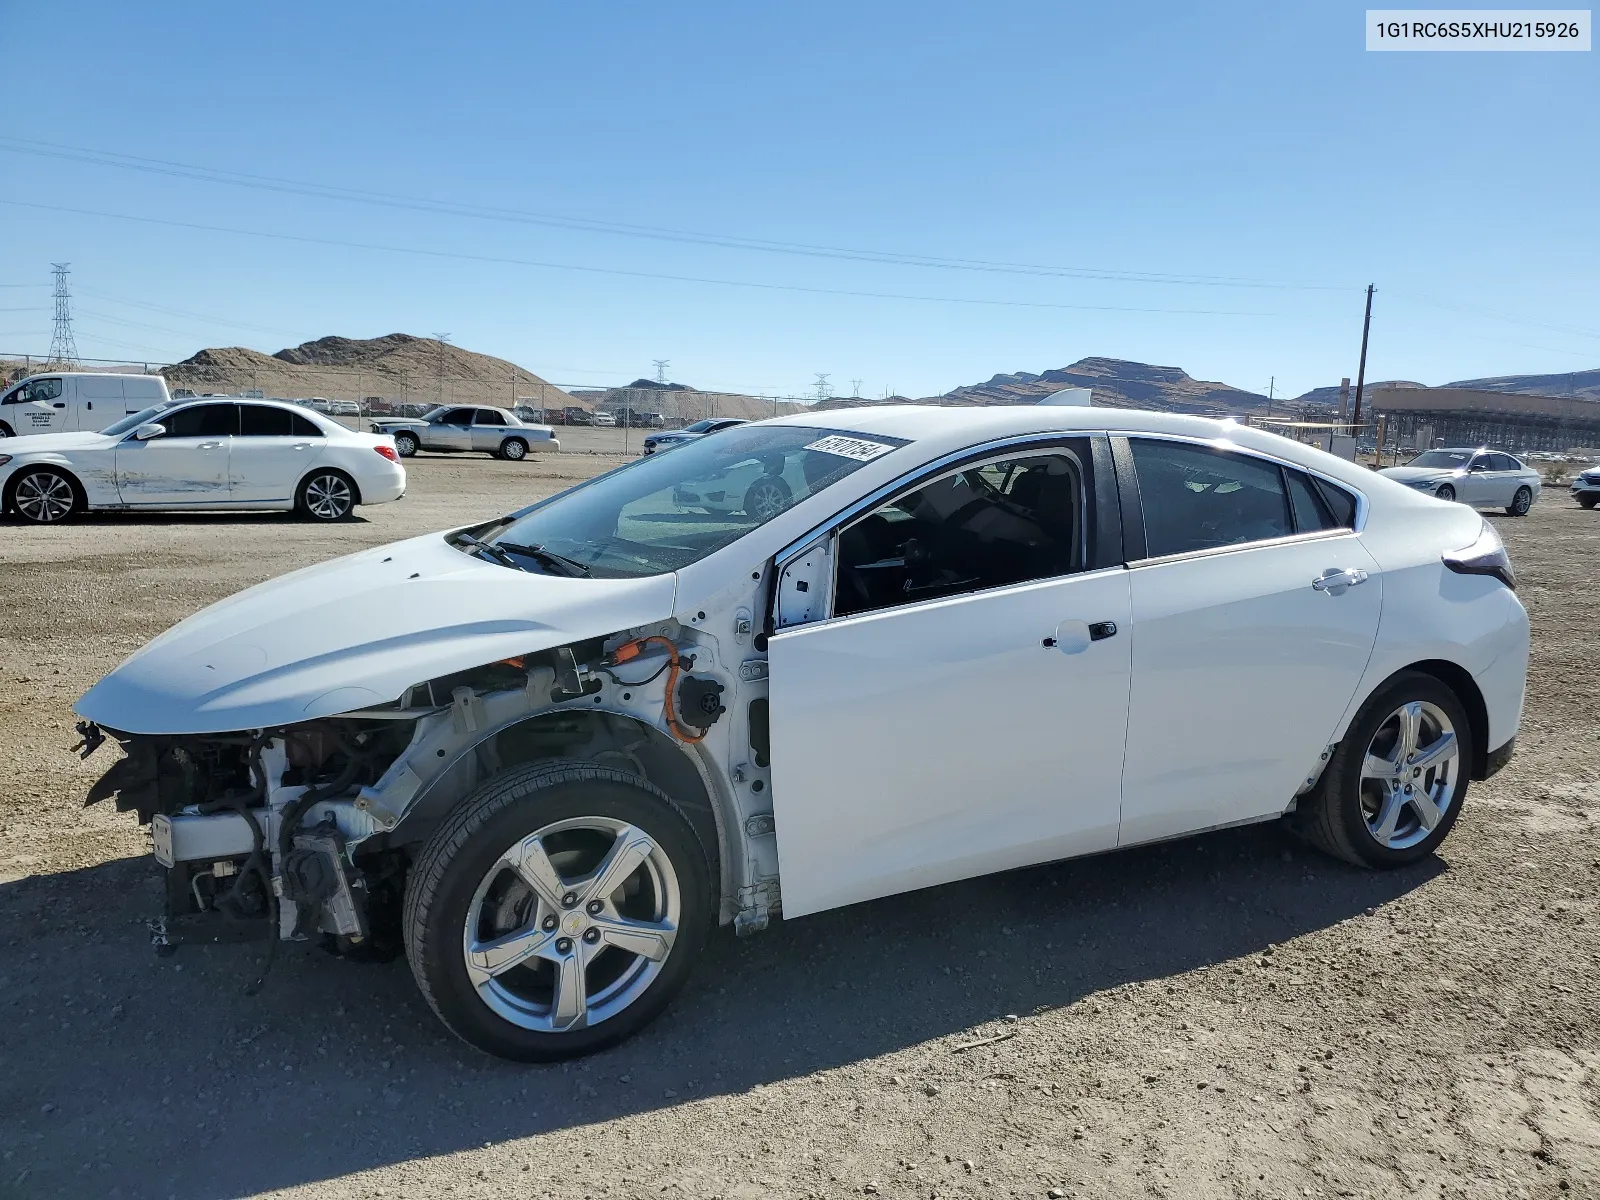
[(1310, 510), (1504, 462), (47, 389), (1482, 462), (1199, 498), (302, 427), (989, 525), (259, 420), (488, 416), (202, 420), (1341, 504), (457, 416)]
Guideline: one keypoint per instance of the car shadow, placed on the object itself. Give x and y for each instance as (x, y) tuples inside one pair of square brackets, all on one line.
[(158, 1075)]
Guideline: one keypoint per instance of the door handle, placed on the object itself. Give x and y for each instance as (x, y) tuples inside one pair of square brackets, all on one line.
[(1336, 579), (209, 446), (59, 404), (301, 446), (1073, 637)]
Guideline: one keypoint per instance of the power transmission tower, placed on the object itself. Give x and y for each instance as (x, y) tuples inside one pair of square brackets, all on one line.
[(855, 389), (824, 388), (63, 349), (444, 340), (661, 368)]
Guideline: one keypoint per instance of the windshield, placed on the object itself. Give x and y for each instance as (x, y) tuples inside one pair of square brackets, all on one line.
[(663, 512), (132, 422), (1444, 460), (699, 427)]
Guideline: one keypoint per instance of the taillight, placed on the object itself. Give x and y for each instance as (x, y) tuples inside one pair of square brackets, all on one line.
[(1485, 556), (388, 452)]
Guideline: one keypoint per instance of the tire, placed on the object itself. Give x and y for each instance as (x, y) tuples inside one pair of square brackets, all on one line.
[(326, 495), (1446, 492), (1520, 503), (45, 496), (1588, 501), (5, 430), (767, 497), (405, 444), (1344, 814), (460, 885), (514, 449)]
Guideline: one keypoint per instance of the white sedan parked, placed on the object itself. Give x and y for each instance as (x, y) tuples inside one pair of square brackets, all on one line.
[(968, 640), (1482, 478), (202, 454)]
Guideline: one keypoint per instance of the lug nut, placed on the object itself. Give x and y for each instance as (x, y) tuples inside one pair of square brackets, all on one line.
[(591, 936), (594, 907), (569, 899), (563, 945), (549, 924)]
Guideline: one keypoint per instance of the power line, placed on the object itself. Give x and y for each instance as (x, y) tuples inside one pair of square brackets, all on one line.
[(193, 171), (552, 266), (62, 348)]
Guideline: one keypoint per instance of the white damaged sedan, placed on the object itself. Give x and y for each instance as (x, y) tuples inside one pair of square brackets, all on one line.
[(545, 756), (202, 454)]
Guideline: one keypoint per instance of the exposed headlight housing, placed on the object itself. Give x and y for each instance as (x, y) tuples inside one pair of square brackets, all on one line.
[(4, 459), (1485, 556), (1424, 485)]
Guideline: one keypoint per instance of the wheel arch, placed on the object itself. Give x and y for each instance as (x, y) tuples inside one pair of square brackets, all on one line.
[(1460, 681), (601, 736), (329, 468)]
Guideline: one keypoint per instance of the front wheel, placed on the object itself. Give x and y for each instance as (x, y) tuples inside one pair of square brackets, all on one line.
[(1520, 503), (1587, 500), (5, 430), (767, 497), (557, 911), (45, 496), (405, 444), (1395, 785), (1446, 492), (326, 496)]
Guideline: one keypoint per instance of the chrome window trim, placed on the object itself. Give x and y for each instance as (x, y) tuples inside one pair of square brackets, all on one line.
[(1232, 447), (926, 471)]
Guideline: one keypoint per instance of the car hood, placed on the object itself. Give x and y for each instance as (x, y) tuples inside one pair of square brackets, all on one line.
[(394, 422), (61, 442), (1417, 474), (356, 632)]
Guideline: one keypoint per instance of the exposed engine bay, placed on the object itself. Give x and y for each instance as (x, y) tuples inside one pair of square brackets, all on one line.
[(306, 831)]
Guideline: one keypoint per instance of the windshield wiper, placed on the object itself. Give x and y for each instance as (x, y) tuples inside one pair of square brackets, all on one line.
[(480, 546), (567, 566)]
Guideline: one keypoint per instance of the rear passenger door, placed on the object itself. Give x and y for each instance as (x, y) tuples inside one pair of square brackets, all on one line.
[(1255, 609), (274, 450), (488, 430)]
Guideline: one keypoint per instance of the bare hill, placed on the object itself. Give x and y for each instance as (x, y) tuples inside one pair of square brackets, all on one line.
[(399, 368), (1583, 385)]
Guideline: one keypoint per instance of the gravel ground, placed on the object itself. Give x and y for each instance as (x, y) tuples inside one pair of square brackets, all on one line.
[(1227, 1016)]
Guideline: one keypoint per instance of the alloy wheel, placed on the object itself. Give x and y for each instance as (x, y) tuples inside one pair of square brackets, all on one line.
[(767, 500), (1446, 492), (514, 450), (328, 497), (44, 497), (405, 445), (1410, 774), (1522, 502), (572, 924)]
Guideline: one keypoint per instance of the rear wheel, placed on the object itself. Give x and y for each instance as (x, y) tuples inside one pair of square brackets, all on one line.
[(1446, 492), (557, 911), (1395, 785), (1520, 503), (45, 496), (1588, 499), (405, 444), (767, 497), (514, 448), (326, 496)]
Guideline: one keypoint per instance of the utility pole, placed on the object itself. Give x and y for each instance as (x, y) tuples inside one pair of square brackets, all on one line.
[(1271, 387), (1361, 372), (63, 349), (444, 340)]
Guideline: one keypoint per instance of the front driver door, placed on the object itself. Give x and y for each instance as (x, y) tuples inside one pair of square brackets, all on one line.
[(452, 431), (187, 466), (38, 407), (960, 707)]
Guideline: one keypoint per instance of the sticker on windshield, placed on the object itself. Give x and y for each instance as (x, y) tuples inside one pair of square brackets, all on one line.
[(848, 447)]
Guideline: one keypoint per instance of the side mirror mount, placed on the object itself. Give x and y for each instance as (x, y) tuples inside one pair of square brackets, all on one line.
[(150, 429)]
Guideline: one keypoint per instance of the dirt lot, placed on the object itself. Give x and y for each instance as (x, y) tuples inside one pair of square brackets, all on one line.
[(1227, 1016)]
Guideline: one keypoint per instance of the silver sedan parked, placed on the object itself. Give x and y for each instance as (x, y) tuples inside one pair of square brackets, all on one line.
[(462, 429), (1478, 477)]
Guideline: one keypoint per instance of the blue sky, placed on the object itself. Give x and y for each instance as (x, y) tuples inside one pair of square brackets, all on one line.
[(1256, 143)]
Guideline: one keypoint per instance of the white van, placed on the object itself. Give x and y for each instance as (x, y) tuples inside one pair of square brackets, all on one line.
[(70, 401)]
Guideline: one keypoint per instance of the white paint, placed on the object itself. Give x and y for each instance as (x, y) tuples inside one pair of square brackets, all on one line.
[(87, 400)]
